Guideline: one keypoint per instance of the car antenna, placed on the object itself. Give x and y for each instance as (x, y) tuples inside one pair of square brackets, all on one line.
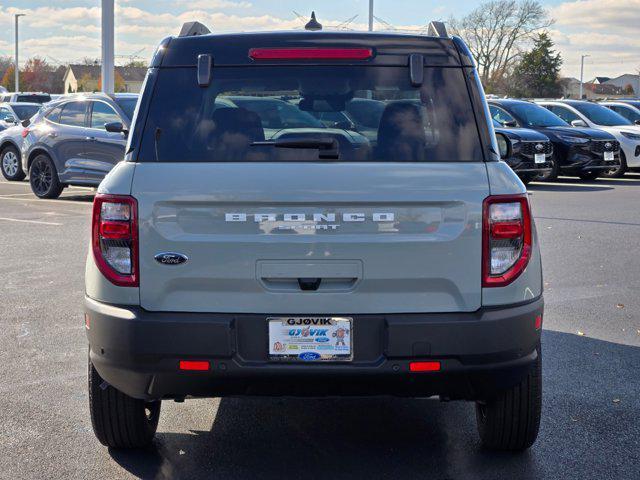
[(313, 25)]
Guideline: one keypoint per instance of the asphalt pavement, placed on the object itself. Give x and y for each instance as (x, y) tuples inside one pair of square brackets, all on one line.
[(590, 235)]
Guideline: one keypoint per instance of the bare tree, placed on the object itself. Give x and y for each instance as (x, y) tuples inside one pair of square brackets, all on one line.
[(497, 30)]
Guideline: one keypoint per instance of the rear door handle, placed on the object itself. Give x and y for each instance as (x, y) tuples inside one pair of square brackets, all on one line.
[(90, 139), (52, 135)]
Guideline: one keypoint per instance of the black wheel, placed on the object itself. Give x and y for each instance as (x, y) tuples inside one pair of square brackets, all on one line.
[(11, 164), (589, 176), (43, 178), (118, 420), (618, 171), (511, 420), (550, 175)]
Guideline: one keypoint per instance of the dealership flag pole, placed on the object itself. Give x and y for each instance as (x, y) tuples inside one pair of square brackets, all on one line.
[(582, 72), (371, 15), (107, 46), (17, 69)]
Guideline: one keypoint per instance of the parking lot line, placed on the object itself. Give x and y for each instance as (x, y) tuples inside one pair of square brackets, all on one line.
[(41, 200), (38, 222)]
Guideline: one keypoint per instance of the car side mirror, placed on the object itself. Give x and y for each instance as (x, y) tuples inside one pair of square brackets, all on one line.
[(116, 127), (637, 122), (510, 124), (504, 146), (578, 123)]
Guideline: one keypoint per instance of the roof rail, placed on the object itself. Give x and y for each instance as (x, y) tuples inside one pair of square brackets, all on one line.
[(193, 29), (437, 29)]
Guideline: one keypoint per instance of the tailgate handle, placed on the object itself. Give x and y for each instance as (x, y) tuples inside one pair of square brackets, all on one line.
[(309, 276), (309, 284)]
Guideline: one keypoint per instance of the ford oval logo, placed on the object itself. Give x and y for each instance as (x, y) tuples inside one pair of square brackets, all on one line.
[(309, 356), (539, 147), (171, 258), (608, 145)]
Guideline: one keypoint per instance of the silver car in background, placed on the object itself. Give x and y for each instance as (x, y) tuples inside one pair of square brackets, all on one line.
[(11, 117)]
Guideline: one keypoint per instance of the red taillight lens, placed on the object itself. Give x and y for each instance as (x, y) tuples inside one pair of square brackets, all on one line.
[(194, 365), (310, 53), (115, 238), (424, 366), (506, 239), (25, 132)]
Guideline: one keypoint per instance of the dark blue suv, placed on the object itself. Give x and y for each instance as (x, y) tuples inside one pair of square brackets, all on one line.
[(76, 141)]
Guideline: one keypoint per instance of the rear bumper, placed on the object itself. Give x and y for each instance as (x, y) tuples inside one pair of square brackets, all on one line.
[(138, 352)]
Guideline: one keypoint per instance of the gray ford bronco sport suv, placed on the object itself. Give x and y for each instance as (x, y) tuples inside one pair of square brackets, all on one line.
[(232, 258)]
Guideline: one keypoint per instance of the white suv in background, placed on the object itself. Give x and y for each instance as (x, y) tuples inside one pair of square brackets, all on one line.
[(580, 113), (629, 109)]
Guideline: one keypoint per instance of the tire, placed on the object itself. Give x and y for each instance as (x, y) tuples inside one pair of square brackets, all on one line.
[(43, 177), (616, 172), (589, 176), (11, 165), (550, 176), (118, 420), (511, 420)]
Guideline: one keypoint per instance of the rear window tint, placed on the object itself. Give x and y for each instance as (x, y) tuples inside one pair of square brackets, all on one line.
[(246, 114), (33, 98)]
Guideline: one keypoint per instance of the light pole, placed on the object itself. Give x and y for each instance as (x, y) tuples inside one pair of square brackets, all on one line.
[(107, 47), (17, 66), (582, 72), (371, 15)]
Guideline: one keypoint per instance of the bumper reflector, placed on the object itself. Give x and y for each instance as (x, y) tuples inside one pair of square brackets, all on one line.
[(538, 323), (424, 366), (191, 365)]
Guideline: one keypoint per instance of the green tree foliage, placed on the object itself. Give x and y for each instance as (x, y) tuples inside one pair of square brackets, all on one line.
[(537, 72)]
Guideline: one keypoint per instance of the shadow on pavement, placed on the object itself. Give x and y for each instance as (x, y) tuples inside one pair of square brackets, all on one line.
[(78, 198), (590, 429), (546, 187)]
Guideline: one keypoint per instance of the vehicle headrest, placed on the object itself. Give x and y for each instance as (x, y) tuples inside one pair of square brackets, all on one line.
[(401, 131)]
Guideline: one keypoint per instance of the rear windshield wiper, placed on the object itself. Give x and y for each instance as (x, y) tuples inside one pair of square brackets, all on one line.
[(327, 147)]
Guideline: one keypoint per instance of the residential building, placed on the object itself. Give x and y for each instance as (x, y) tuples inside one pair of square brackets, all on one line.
[(87, 78)]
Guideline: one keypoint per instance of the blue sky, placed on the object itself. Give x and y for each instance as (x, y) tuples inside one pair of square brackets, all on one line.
[(68, 30)]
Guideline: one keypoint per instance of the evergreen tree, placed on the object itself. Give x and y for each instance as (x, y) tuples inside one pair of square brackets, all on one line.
[(537, 73)]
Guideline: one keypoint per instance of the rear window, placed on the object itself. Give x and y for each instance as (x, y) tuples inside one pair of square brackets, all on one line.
[(128, 105), (268, 113), (25, 111), (33, 98)]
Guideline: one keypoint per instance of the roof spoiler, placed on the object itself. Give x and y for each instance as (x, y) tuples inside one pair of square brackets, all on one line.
[(193, 29), (437, 29)]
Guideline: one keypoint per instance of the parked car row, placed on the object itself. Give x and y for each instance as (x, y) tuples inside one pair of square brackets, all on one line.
[(589, 139), (73, 140)]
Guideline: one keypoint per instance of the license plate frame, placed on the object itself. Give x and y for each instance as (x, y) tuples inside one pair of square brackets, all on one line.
[(539, 158), (310, 339), (609, 156)]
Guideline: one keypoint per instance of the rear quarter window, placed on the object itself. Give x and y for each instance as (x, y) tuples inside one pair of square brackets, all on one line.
[(245, 111)]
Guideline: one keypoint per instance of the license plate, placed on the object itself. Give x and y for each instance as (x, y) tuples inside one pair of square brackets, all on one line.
[(609, 156), (310, 339), (539, 158)]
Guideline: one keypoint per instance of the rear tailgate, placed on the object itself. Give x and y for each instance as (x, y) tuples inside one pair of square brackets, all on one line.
[(311, 238)]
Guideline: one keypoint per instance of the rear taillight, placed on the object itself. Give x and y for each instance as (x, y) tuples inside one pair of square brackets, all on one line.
[(25, 132), (115, 238), (506, 239)]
